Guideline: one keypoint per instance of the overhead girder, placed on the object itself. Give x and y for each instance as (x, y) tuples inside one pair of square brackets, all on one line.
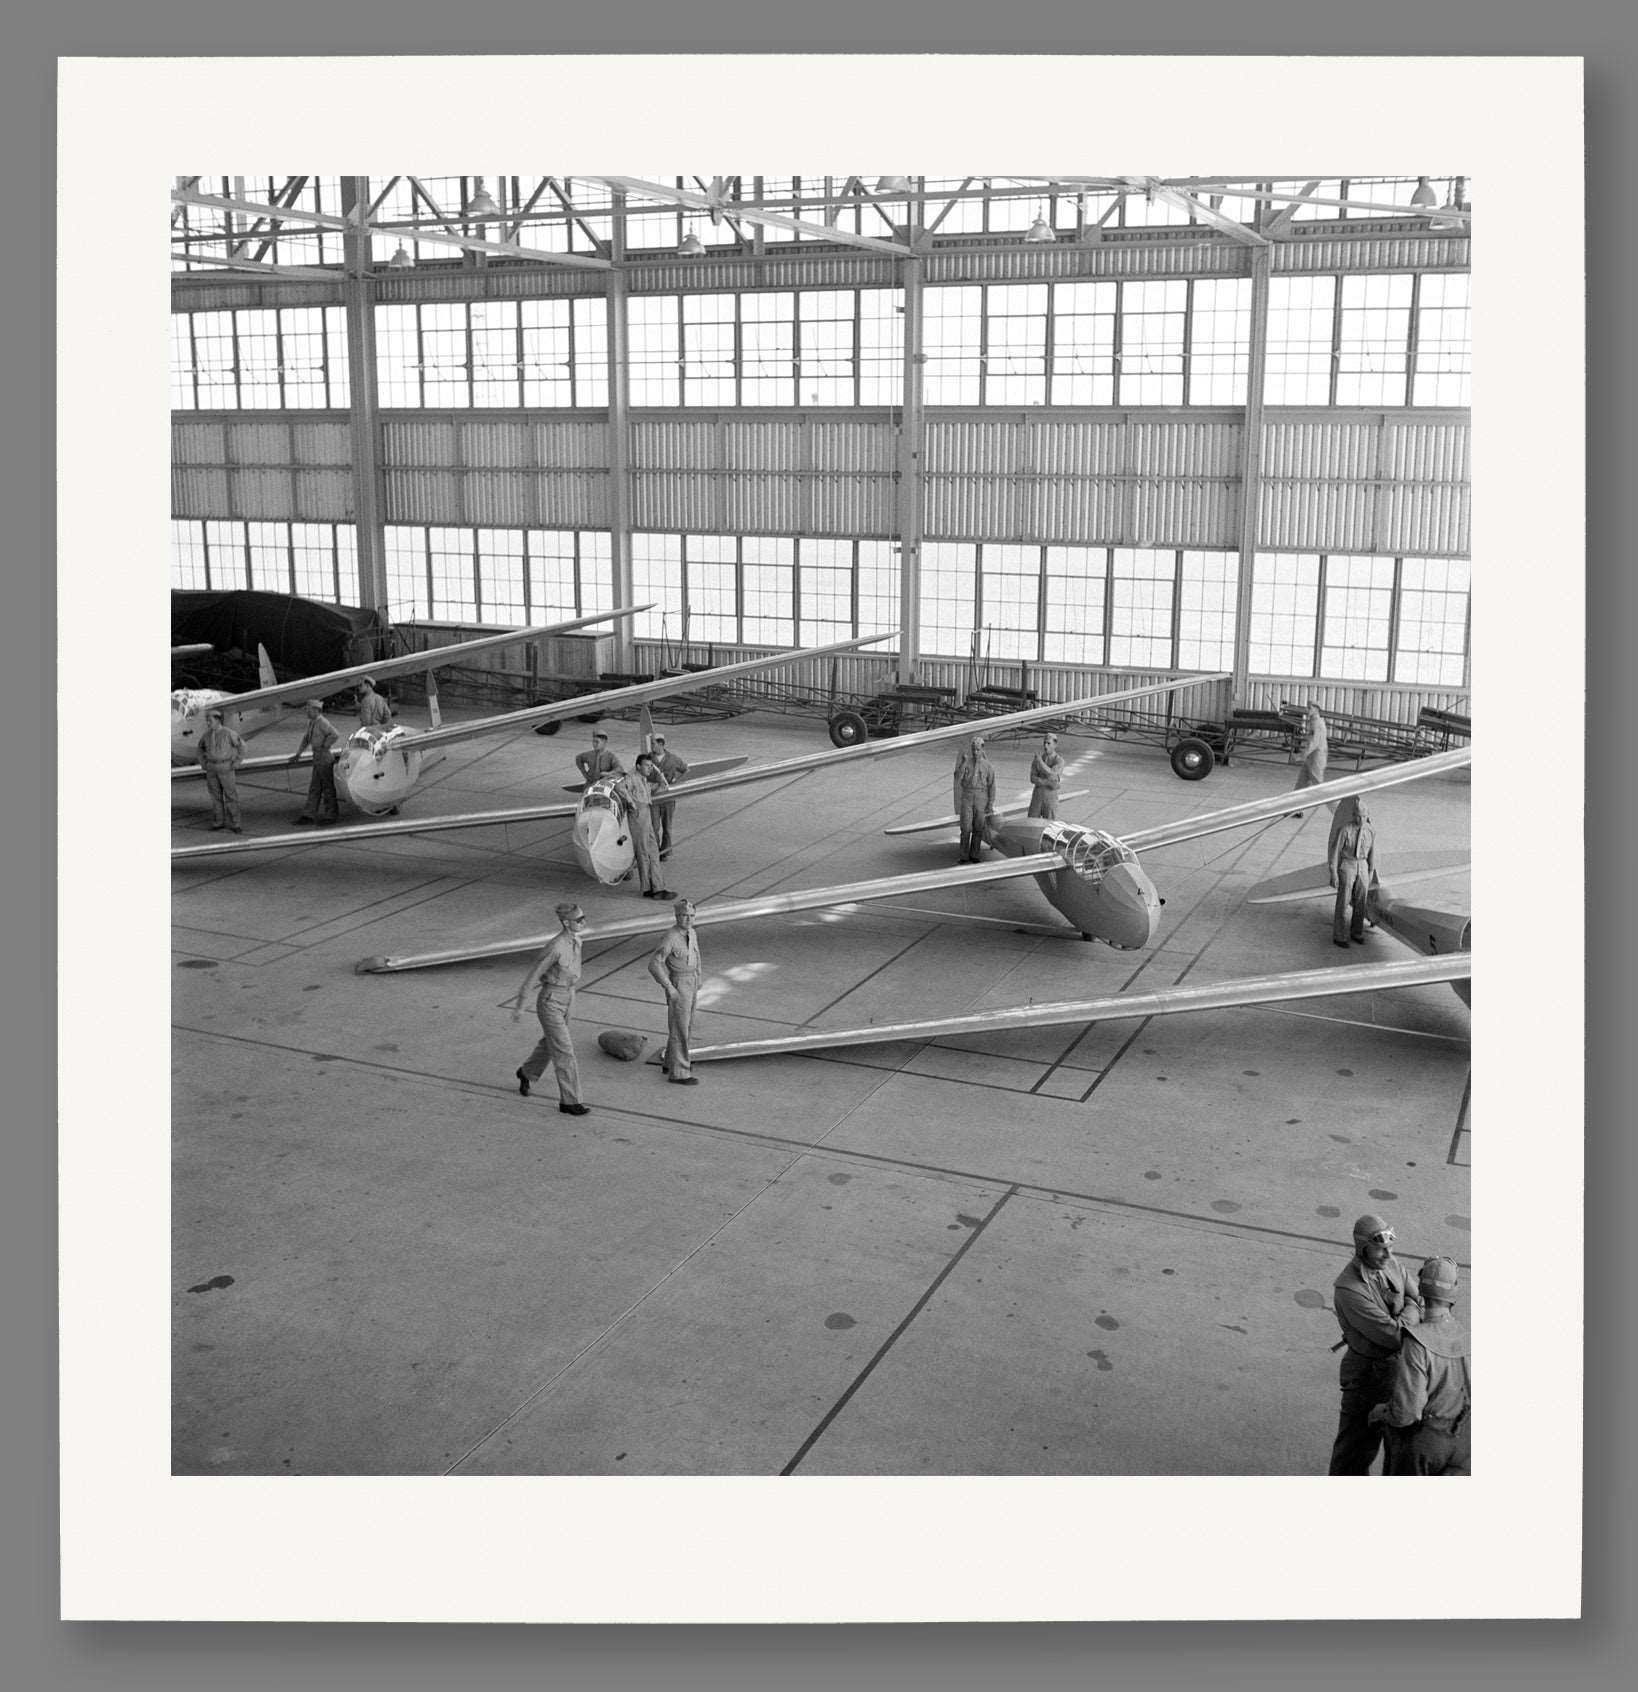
[(246, 249)]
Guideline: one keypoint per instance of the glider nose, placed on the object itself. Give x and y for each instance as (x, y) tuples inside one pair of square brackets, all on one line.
[(602, 844), (1132, 904)]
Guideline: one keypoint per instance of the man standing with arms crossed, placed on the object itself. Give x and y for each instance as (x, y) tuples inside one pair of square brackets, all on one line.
[(1373, 1301), (676, 966), (1046, 773), (559, 970)]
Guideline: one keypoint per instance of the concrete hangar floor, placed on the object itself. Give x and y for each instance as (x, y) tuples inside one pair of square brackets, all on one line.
[(1093, 1250)]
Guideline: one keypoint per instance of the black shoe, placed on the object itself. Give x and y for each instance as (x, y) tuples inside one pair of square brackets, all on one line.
[(1342, 943), (1358, 939), (306, 820), (575, 1110), (234, 828), (216, 828), (665, 893), (684, 1080), (665, 854), (523, 1083), (327, 822), (649, 893)]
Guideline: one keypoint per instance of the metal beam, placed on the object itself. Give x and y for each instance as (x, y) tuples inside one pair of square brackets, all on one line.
[(1154, 187), (435, 237), (299, 272), (668, 195)]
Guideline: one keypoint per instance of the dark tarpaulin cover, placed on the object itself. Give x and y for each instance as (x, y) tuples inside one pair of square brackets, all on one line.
[(302, 636)]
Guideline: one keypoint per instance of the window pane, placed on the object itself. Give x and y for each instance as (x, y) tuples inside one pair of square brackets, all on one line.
[(948, 572), (1220, 342), (500, 575), (1358, 597), (656, 572), (1433, 622), (1075, 588), (407, 597), (1374, 342), (712, 597), (1206, 611), (1140, 624), (951, 330), (1444, 341), (1010, 605), (1151, 343), (1300, 312), (1083, 343), (878, 568), (1284, 613), (454, 579)]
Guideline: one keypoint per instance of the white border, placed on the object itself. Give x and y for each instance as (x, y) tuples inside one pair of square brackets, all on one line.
[(138, 1544)]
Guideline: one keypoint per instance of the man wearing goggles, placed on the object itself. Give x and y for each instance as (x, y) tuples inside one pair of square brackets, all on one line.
[(1370, 1298)]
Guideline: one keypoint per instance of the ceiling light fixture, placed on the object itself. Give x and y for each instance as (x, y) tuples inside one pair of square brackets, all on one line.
[(1040, 230), (691, 246), (1423, 196), (480, 205), (892, 184), (400, 260)]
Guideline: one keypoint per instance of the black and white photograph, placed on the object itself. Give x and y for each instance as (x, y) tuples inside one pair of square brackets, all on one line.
[(972, 676)]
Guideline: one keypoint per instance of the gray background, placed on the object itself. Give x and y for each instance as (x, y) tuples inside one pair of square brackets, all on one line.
[(39, 1652)]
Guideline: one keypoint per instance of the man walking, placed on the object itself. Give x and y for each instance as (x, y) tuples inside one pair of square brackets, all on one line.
[(974, 796), (558, 967), (1352, 868), (676, 966), (220, 749), (1046, 774), (1370, 1298), (1427, 1419), (672, 766), (322, 806), (1314, 751)]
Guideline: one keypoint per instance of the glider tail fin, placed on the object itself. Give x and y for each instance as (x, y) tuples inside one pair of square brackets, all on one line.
[(264, 668), (433, 711)]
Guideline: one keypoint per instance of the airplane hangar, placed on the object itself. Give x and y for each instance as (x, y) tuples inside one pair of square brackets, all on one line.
[(1017, 442)]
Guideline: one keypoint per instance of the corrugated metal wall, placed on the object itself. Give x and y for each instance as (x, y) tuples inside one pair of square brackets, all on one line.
[(285, 466), (1365, 483), (1351, 482)]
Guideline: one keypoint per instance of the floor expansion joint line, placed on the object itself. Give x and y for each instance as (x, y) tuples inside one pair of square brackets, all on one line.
[(892, 1339), (600, 1338)]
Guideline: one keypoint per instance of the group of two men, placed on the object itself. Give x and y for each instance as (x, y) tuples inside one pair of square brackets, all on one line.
[(674, 964), (975, 791), (1404, 1381)]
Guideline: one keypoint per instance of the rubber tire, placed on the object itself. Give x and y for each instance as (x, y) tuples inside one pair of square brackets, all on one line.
[(549, 728), (848, 728), (1192, 760)]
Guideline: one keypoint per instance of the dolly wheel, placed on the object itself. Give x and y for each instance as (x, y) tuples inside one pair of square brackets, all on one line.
[(1192, 760), (847, 728)]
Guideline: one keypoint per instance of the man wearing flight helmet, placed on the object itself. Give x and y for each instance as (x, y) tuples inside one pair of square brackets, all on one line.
[(1371, 1298), (1427, 1418)]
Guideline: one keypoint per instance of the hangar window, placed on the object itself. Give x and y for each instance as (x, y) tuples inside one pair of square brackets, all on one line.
[(1140, 623), (289, 359), (315, 560), (1444, 341), (1358, 599), (1432, 624), (495, 354), (1076, 578), (1284, 613)]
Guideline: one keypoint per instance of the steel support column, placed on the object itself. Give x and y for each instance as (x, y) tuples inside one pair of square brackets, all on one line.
[(910, 457), (619, 494), (369, 478), (1251, 470)]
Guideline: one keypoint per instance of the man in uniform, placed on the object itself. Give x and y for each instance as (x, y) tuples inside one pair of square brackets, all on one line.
[(1046, 773), (674, 769), (559, 969), (322, 806), (1428, 1416), (637, 792), (599, 761), (974, 796), (1370, 1297), (373, 711), (1352, 868), (676, 966), (219, 751), (1313, 751)]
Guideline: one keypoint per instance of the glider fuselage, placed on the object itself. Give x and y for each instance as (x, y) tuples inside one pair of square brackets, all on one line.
[(1102, 889)]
